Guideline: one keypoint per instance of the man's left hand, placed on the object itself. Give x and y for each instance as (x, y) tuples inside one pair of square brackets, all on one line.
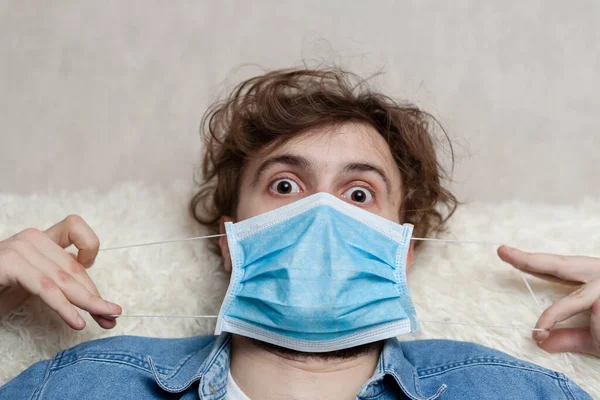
[(573, 270)]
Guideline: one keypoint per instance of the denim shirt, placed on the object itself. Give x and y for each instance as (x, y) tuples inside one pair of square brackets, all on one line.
[(129, 367)]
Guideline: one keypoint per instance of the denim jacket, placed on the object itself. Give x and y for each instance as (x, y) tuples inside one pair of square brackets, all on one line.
[(129, 367)]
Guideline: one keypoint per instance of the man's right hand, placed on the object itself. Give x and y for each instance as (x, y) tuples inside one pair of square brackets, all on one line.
[(35, 262)]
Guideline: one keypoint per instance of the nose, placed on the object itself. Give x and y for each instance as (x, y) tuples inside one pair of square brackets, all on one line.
[(323, 188)]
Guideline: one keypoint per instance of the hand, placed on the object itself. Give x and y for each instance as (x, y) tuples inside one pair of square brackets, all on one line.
[(568, 270), (35, 262)]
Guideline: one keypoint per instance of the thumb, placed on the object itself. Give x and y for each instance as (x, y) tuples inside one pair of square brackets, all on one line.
[(578, 340)]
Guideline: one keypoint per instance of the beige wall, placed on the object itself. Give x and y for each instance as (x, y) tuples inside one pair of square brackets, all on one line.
[(92, 93)]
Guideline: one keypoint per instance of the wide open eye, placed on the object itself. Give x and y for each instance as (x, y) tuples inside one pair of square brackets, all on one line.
[(359, 195), (284, 186)]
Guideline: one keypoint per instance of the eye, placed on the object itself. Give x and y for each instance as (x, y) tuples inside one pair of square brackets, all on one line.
[(358, 194), (284, 186)]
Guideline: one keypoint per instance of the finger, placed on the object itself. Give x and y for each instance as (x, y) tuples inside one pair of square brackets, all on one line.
[(36, 283), (80, 274), (569, 268), (595, 325), (74, 230), (59, 256), (554, 279), (579, 340), (74, 291), (70, 264), (576, 302), (104, 322)]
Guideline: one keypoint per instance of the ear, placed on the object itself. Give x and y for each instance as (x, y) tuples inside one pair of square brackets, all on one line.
[(224, 245), (410, 257)]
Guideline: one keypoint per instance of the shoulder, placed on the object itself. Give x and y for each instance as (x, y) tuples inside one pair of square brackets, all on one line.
[(467, 367), (428, 354), (122, 365), (129, 349)]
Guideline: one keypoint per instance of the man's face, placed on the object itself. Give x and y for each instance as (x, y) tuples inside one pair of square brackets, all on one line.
[(351, 161)]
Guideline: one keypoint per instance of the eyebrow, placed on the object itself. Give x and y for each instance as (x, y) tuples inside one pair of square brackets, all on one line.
[(365, 167), (306, 164), (284, 159)]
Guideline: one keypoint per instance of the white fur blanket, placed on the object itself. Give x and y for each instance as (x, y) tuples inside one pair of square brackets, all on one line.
[(448, 282)]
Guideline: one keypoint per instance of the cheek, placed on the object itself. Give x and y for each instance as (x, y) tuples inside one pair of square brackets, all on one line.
[(244, 209), (248, 201), (252, 204), (395, 208), (391, 212), (261, 205)]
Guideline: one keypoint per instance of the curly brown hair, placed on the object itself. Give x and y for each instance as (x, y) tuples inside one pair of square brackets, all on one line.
[(270, 109)]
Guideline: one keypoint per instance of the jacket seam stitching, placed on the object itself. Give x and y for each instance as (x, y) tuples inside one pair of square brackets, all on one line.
[(564, 383), (408, 394), (179, 365), (37, 392), (105, 361), (417, 384), (209, 365), (56, 361), (102, 357), (497, 364)]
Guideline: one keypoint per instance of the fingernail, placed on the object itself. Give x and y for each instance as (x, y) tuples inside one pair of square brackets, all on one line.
[(112, 307), (80, 321), (539, 336)]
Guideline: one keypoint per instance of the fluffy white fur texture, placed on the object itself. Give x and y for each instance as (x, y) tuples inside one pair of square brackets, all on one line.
[(449, 282)]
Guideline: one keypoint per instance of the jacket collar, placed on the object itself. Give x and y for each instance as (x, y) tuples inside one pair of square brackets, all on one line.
[(394, 366), (210, 364)]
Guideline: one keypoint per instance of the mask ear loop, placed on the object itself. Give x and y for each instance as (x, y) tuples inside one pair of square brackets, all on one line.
[(565, 356), (129, 246), (192, 316), (512, 326)]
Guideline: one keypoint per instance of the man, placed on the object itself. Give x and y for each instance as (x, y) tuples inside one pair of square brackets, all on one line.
[(280, 138)]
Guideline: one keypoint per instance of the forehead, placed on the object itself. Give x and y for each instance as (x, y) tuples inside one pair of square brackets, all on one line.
[(330, 146)]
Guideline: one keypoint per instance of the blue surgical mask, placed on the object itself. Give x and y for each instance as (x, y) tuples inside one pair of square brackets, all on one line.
[(318, 275)]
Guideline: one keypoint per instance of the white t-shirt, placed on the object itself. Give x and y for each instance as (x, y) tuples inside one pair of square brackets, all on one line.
[(233, 390)]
